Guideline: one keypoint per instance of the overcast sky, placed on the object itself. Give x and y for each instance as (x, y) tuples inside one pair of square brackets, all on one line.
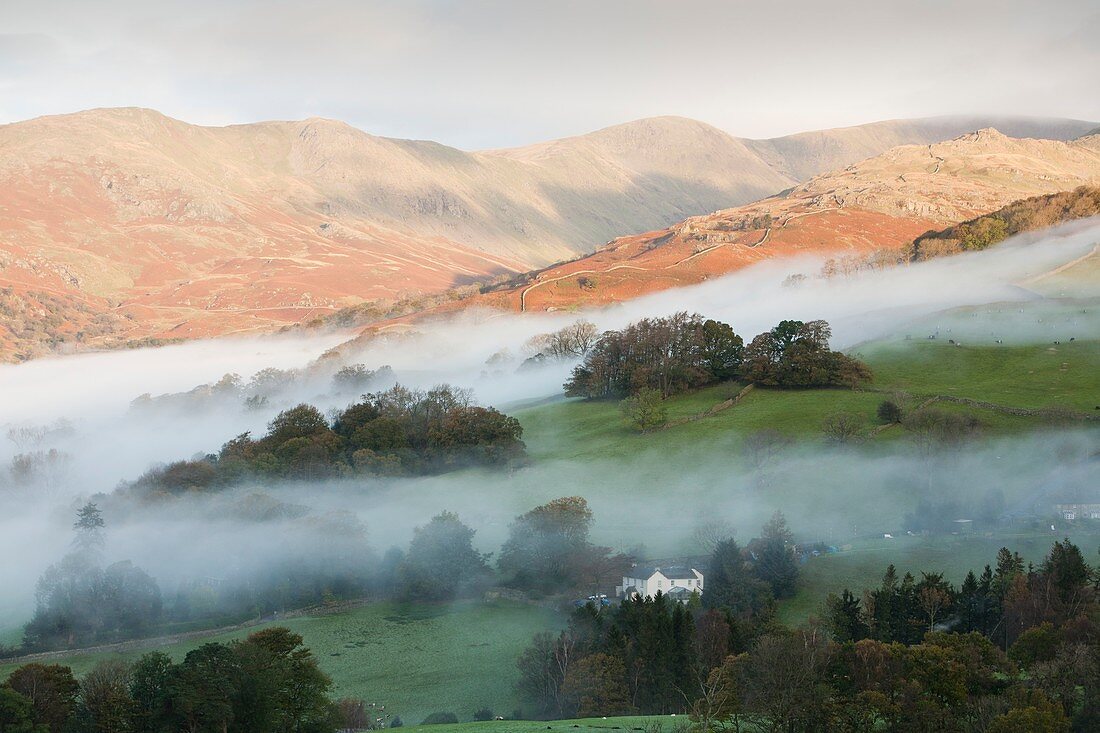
[(479, 73)]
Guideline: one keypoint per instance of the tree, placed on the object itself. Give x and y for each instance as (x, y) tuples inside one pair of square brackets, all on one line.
[(888, 412), (1037, 644), (712, 639), (478, 434), (935, 430), (842, 428), (796, 354), (732, 586), (353, 714), (151, 688), (548, 546), (105, 702), (761, 447), (670, 355), (719, 705), (773, 557), (721, 349), (934, 596), (302, 421), (1068, 572), (441, 560), (17, 713), (292, 689), (543, 668), (89, 530), (783, 680), (645, 410), (571, 342), (204, 689), (52, 691), (844, 617), (1030, 711), (596, 686), (440, 719)]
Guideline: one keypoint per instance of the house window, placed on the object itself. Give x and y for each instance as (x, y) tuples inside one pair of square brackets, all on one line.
[(660, 583)]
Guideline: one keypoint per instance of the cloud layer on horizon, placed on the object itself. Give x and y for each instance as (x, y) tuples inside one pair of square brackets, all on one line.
[(485, 73)]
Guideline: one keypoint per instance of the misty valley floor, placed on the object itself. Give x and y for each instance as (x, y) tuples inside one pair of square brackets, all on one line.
[(421, 659)]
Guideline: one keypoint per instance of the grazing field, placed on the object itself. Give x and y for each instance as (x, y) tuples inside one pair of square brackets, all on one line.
[(414, 659), (1064, 376)]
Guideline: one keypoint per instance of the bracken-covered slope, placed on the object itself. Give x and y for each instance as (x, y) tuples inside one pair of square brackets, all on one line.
[(149, 227), (883, 202), (124, 225)]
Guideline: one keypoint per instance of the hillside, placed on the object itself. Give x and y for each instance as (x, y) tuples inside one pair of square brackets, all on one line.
[(808, 154), (145, 227), (881, 203), (1031, 214)]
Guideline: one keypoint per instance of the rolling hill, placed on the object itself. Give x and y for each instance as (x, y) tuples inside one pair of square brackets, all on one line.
[(881, 203), (123, 225)]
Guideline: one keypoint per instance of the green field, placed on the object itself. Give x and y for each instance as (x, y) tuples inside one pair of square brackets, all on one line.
[(666, 724), (415, 660), (1063, 376)]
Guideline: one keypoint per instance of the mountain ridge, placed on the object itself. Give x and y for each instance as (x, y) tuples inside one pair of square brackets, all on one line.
[(143, 226)]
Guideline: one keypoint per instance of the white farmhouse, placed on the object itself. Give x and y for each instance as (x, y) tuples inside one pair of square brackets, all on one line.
[(676, 582)]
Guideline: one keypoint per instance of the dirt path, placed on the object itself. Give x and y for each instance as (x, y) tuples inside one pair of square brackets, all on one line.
[(529, 288)]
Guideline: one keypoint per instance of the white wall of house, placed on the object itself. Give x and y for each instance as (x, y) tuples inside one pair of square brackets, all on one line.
[(648, 587)]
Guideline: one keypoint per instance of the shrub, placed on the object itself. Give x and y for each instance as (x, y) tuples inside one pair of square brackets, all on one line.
[(645, 410), (889, 412), (440, 719)]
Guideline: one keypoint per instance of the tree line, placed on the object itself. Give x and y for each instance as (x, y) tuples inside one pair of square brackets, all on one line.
[(399, 431), (650, 655), (685, 351), (79, 602), (267, 683), (1037, 212), (1013, 649)]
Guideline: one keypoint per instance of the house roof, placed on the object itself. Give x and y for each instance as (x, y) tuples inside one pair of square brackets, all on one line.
[(681, 572)]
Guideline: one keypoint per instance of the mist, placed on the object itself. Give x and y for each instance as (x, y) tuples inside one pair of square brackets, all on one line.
[(989, 297)]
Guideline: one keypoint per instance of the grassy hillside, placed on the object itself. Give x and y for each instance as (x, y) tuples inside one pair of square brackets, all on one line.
[(413, 659), (1063, 376)]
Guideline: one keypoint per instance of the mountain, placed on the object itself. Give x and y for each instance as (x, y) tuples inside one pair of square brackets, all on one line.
[(807, 154), (881, 203), (124, 225)]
